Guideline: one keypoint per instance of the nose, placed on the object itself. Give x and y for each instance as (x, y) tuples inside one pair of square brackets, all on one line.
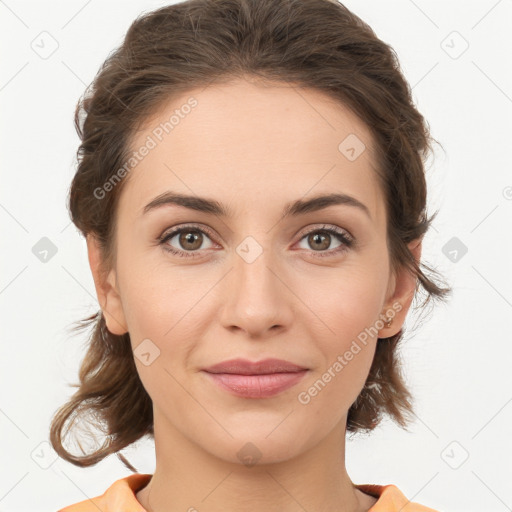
[(258, 300)]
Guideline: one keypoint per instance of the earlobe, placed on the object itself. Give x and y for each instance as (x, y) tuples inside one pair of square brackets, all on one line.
[(398, 304), (106, 289)]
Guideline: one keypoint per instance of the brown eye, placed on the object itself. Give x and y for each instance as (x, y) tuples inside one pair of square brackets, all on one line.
[(189, 241), (320, 239)]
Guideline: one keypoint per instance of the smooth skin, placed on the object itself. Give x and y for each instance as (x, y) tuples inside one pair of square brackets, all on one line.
[(253, 147)]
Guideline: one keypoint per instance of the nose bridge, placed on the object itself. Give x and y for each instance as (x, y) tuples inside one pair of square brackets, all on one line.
[(256, 296), (253, 265)]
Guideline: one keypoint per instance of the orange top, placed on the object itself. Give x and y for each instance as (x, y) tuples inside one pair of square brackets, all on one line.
[(120, 496)]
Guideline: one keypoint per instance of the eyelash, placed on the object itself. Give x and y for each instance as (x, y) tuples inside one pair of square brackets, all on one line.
[(347, 240)]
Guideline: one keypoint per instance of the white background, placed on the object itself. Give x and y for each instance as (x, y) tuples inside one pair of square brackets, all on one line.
[(458, 361)]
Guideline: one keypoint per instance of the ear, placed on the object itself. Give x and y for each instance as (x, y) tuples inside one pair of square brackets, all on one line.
[(402, 287), (106, 290)]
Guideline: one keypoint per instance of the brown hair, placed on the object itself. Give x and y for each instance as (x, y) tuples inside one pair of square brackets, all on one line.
[(318, 44)]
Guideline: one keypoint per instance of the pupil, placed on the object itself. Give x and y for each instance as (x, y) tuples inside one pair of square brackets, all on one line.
[(317, 237), (190, 238)]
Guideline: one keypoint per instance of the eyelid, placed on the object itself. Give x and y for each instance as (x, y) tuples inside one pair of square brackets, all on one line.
[(203, 227), (179, 227), (328, 227), (347, 239), (168, 234)]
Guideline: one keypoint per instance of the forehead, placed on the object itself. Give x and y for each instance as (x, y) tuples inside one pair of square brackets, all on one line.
[(249, 144)]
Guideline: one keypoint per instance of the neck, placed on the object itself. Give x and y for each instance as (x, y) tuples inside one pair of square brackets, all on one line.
[(189, 478)]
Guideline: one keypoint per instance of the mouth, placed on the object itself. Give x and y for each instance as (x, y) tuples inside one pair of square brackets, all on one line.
[(256, 386), (246, 367), (263, 379)]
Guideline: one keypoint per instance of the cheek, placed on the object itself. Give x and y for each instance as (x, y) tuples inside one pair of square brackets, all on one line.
[(342, 313), (343, 302), (167, 307), (163, 305), (155, 293)]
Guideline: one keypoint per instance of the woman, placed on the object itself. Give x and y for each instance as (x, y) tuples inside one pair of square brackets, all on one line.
[(251, 188)]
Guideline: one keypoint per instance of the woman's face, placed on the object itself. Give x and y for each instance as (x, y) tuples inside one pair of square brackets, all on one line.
[(253, 283)]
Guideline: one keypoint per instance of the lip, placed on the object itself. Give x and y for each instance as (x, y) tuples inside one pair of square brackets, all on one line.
[(260, 379), (256, 386), (263, 367)]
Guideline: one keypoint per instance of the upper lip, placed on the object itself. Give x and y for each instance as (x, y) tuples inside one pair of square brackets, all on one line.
[(246, 367)]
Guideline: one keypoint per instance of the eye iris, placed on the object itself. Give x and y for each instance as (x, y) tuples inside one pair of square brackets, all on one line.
[(190, 237), (318, 237)]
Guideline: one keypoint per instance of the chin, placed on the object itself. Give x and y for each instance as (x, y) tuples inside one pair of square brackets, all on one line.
[(251, 446)]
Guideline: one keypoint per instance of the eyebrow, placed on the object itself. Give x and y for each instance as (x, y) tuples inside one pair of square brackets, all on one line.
[(292, 209)]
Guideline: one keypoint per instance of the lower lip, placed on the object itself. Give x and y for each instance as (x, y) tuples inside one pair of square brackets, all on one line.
[(257, 386)]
